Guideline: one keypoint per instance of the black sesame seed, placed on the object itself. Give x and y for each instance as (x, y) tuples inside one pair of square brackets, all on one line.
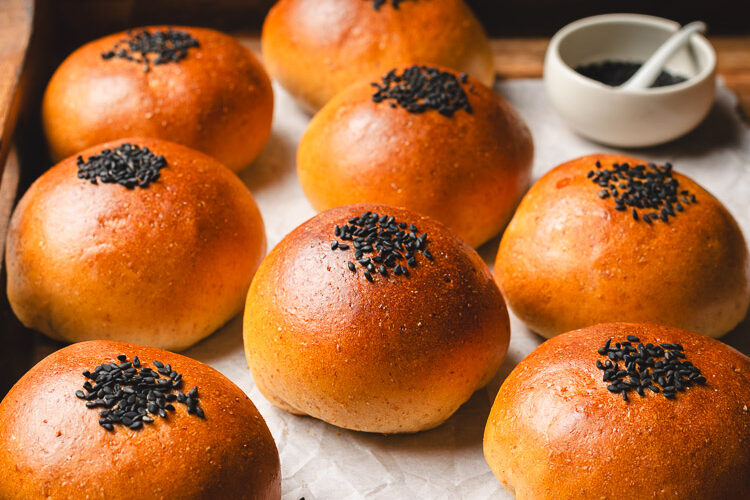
[(670, 373), (368, 276), (127, 164), (167, 45), (385, 241), (334, 245), (420, 88), (129, 391), (640, 187)]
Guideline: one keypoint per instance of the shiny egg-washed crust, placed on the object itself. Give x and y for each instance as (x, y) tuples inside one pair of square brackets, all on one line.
[(52, 446), (217, 100), (568, 259), (468, 171), (555, 432), (316, 48), (394, 356), (164, 265)]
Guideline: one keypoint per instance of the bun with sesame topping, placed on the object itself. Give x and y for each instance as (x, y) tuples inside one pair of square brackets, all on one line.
[(104, 419), (316, 48), (612, 238), (192, 86), (375, 319), (424, 138), (138, 240), (624, 410)]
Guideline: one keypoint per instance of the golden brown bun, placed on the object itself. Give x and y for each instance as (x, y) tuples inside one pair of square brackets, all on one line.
[(164, 265), (568, 259), (468, 171), (393, 356), (217, 100), (556, 432), (52, 446), (316, 48)]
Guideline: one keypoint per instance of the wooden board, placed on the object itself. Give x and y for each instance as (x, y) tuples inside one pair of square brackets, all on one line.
[(16, 18)]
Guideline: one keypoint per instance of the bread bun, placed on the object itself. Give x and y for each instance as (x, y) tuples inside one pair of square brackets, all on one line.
[(53, 446), (395, 354), (557, 432), (163, 265), (465, 161), (216, 99), (569, 258), (316, 48)]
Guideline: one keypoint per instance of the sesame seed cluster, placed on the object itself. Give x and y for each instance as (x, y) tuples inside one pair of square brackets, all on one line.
[(656, 368), (165, 45), (381, 245), (650, 191), (131, 394), (421, 88), (127, 164)]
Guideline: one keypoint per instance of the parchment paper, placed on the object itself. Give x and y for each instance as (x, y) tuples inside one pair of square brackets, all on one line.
[(320, 461)]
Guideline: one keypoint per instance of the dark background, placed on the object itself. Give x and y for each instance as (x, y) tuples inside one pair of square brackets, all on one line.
[(500, 17)]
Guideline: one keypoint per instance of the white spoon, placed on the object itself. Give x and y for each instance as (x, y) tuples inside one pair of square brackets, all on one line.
[(649, 72)]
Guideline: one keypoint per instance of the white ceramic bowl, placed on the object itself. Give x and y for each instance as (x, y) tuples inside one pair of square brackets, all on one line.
[(632, 118)]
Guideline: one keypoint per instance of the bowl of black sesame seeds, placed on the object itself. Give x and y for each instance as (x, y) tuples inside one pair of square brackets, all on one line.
[(588, 59)]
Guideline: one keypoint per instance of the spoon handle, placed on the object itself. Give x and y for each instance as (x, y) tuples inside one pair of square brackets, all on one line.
[(647, 74)]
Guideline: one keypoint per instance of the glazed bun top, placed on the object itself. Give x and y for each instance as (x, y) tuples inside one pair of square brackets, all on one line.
[(557, 430), (389, 334), (161, 255), (667, 253), (426, 138), (316, 48), (53, 445), (193, 86), (430, 280)]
